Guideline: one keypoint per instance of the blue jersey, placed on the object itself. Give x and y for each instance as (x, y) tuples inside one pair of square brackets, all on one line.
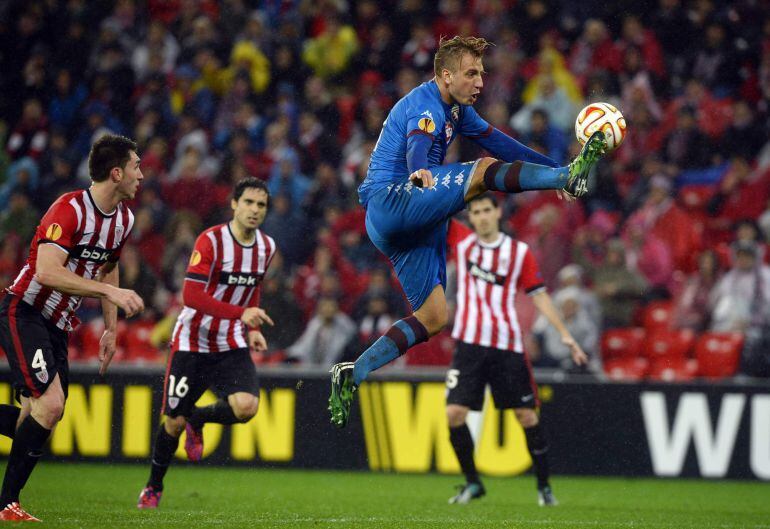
[(421, 111)]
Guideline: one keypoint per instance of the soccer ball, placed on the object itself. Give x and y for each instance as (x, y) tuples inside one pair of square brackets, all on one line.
[(604, 117)]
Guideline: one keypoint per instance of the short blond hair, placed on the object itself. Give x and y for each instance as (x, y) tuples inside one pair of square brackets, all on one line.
[(451, 51)]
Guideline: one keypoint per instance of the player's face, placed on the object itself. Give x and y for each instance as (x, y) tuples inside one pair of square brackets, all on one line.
[(132, 177), (250, 209), (465, 83), (484, 217)]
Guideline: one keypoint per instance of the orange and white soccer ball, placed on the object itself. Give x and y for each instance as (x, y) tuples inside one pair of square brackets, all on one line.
[(604, 117)]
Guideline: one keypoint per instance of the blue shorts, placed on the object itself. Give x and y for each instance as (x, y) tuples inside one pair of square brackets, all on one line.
[(409, 225)]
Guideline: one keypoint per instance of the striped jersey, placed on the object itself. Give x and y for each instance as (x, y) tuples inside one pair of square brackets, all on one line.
[(488, 276), (232, 273), (89, 237)]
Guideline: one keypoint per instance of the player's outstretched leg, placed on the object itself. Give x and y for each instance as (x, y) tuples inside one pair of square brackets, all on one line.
[(9, 416), (346, 377), (520, 176), (166, 443)]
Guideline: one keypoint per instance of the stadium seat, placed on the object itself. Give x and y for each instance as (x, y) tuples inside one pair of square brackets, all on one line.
[(626, 368), (718, 354), (622, 343), (134, 339), (657, 315), (669, 344), (669, 369)]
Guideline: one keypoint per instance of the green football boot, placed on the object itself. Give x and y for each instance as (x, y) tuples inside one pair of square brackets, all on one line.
[(341, 397), (581, 166)]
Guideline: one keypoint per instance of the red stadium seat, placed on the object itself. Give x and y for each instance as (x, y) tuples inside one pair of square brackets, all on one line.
[(657, 315), (622, 343), (669, 344), (134, 340), (673, 369), (626, 368), (718, 354)]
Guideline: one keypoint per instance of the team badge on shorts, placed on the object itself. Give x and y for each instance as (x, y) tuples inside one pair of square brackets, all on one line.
[(173, 402), (42, 376)]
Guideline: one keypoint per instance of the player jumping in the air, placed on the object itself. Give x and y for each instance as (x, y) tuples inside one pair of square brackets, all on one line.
[(409, 196), (211, 340), (491, 267), (74, 254)]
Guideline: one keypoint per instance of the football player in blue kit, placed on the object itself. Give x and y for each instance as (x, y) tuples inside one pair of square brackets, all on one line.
[(409, 196)]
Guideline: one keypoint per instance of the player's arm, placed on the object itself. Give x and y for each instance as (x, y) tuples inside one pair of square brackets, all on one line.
[(546, 307), (498, 143), (419, 139), (109, 275), (531, 281), (51, 272)]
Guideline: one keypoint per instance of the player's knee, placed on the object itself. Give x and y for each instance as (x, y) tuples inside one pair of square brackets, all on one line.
[(245, 407), (527, 417), (175, 425), (436, 320), (456, 415), (484, 163)]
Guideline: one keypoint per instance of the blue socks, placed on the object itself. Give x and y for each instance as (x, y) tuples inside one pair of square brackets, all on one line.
[(400, 337), (524, 176)]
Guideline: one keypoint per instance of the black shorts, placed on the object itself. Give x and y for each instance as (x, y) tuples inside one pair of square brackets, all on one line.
[(35, 347), (508, 374), (189, 375)]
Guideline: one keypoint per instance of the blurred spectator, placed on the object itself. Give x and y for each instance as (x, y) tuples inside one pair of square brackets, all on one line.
[(716, 64), (742, 295), (594, 50), (692, 303), (286, 223), (22, 177), (181, 232), (744, 136), (551, 99), (326, 336), (648, 255), (619, 289), (29, 136), (330, 53), (418, 51), (158, 41), (585, 331), (541, 132), (68, 97), (571, 276), (279, 303), (742, 193), (19, 218), (686, 146)]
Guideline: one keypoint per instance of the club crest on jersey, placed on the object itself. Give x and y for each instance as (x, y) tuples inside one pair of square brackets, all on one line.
[(118, 232), (53, 233), (42, 376), (455, 112), (449, 131), (173, 402)]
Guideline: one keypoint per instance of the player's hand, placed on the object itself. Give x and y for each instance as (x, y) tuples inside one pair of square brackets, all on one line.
[(254, 317), (578, 356), (422, 178), (257, 341), (107, 349), (126, 299)]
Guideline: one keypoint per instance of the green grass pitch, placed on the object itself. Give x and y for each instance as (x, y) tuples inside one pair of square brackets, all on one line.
[(91, 495)]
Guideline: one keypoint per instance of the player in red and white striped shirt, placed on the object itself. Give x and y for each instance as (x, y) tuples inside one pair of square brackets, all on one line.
[(73, 254), (213, 333), (491, 268)]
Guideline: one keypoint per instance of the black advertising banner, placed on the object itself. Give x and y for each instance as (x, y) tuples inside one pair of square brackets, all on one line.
[(398, 424)]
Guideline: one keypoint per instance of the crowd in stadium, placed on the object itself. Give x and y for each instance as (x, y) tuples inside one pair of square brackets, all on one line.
[(671, 237)]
